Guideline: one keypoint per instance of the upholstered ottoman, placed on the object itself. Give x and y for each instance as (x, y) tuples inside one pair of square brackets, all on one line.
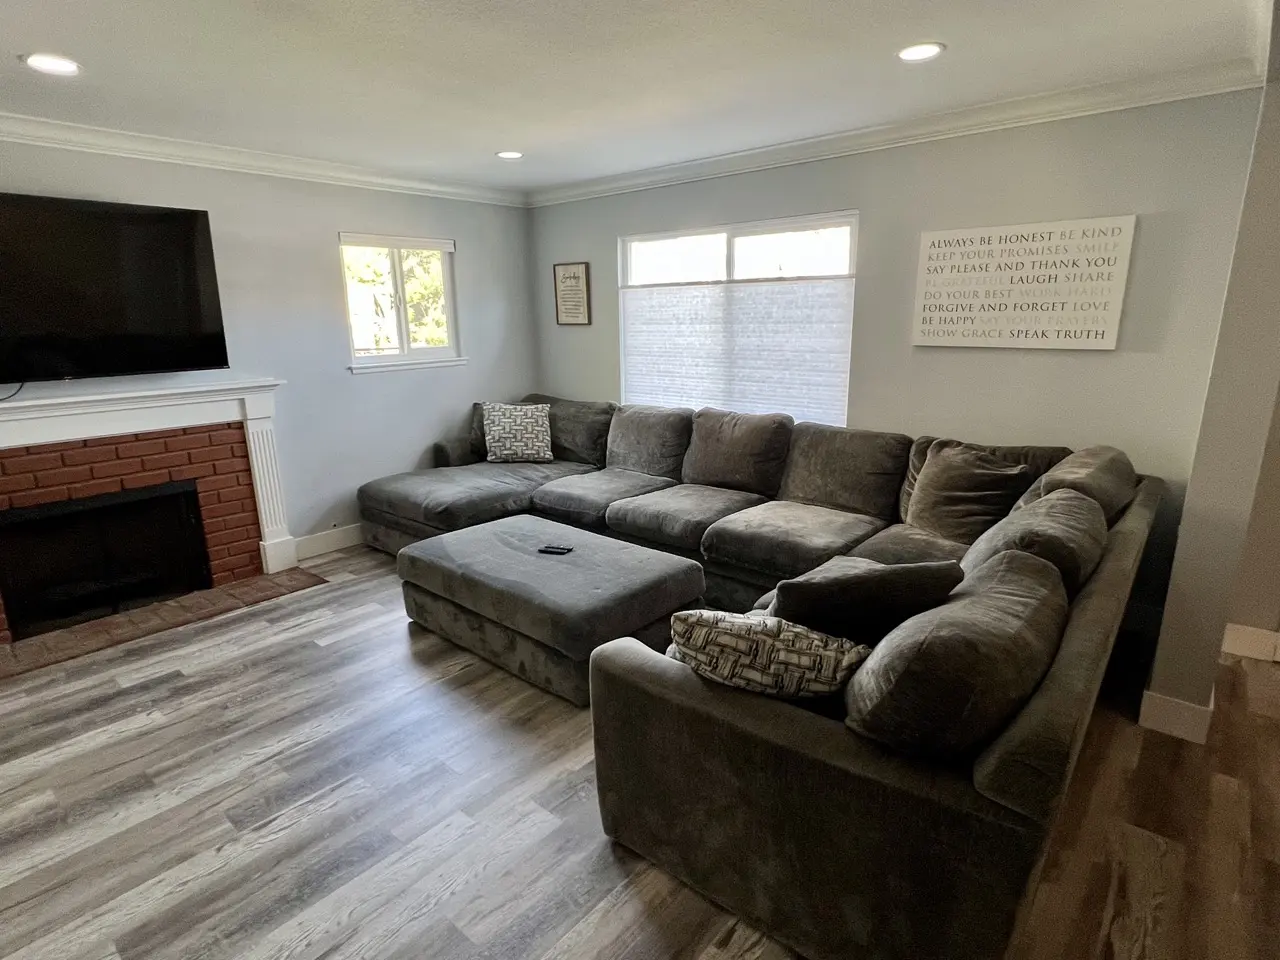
[(539, 616)]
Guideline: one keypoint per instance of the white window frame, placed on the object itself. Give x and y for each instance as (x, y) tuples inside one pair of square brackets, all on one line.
[(838, 218), (753, 228), (409, 357)]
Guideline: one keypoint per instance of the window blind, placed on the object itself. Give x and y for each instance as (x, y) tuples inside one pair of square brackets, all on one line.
[(756, 347)]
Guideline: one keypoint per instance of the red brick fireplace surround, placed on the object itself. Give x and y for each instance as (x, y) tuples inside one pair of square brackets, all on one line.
[(214, 455)]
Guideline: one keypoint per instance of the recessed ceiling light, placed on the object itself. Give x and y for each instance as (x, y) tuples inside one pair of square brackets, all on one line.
[(51, 63), (509, 154), (920, 52)]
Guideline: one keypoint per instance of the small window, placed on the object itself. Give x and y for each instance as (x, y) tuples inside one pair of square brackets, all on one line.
[(399, 300)]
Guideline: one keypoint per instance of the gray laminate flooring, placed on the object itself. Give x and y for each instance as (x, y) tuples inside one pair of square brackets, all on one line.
[(315, 778)]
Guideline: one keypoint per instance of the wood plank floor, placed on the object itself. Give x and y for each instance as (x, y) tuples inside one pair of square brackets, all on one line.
[(315, 778)]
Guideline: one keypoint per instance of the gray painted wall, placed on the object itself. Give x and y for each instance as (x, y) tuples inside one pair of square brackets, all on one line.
[(1255, 600), (1238, 412), (1181, 167), (275, 243)]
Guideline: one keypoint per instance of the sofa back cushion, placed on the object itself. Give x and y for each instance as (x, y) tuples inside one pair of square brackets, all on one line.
[(579, 428), (862, 600), (650, 440), (1064, 527), (479, 449), (962, 491), (738, 451), (856, 470), (1036, 459), (1028, 766), (1103, 473), (947, 681)]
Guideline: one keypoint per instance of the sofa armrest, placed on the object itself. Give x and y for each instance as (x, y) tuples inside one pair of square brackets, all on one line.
[(820, 837), (453, 453)]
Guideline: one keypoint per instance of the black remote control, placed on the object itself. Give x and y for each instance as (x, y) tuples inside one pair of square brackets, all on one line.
[(555, 549)]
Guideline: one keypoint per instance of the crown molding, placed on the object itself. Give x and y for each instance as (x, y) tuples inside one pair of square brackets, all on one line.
[(1241, 74), (15, 128)]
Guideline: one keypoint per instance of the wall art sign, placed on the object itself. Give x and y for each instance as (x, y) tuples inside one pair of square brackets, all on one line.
[(1043, 286), (573, 293)]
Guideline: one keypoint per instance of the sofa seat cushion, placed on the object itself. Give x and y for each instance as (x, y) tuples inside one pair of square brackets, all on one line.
[(862, 600), (1065, 527), (856, 470), (763, 654), (739, 451), (450, 498), (784, 539), (678, 516), (903, 543), (1103, 473), (650, 440), (584, 498), (947, 681)]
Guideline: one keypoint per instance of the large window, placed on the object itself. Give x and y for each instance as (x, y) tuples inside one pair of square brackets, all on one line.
[(754, 317), (399, 301)]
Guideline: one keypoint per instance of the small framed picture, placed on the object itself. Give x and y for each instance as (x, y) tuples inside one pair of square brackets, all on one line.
[(573, 294)]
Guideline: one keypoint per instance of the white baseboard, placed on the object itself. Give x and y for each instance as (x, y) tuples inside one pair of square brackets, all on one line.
[(1252, 642), (1178, 718), (279, 554), (326, 541)]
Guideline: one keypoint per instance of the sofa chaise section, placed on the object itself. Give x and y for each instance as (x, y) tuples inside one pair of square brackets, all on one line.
[(450, 498), (464, 489)]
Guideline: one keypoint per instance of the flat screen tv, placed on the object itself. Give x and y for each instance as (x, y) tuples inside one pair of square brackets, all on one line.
[(92, 289)]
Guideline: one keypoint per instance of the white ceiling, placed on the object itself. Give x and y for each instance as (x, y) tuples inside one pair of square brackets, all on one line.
[(432, 88)]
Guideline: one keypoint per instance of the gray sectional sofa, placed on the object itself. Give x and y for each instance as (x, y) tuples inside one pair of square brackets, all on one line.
[(840, 844), (754, 498)]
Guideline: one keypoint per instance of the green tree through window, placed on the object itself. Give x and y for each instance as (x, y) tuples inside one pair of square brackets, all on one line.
[(424, 297), (398, 298)]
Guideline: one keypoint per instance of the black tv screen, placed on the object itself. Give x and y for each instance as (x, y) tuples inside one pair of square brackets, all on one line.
[(92, 289)]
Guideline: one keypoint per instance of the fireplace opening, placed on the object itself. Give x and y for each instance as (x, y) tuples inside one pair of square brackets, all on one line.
[(79, 560)]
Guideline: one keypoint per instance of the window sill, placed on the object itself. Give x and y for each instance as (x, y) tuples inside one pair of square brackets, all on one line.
[(386, 366)]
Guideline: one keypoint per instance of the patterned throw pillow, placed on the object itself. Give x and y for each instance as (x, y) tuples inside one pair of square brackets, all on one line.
[(764, 654), (518, 432)]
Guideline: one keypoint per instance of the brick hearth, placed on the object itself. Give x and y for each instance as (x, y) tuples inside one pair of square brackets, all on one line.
[(214, 455)]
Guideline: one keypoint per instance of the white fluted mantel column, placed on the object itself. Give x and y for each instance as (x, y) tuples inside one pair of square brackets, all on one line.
[(279, 549)]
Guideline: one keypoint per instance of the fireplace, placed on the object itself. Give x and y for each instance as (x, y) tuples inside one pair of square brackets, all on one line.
[(204, 472), (73, 561)]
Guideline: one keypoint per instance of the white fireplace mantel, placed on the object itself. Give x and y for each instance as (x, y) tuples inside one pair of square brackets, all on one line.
[(82, 416)]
